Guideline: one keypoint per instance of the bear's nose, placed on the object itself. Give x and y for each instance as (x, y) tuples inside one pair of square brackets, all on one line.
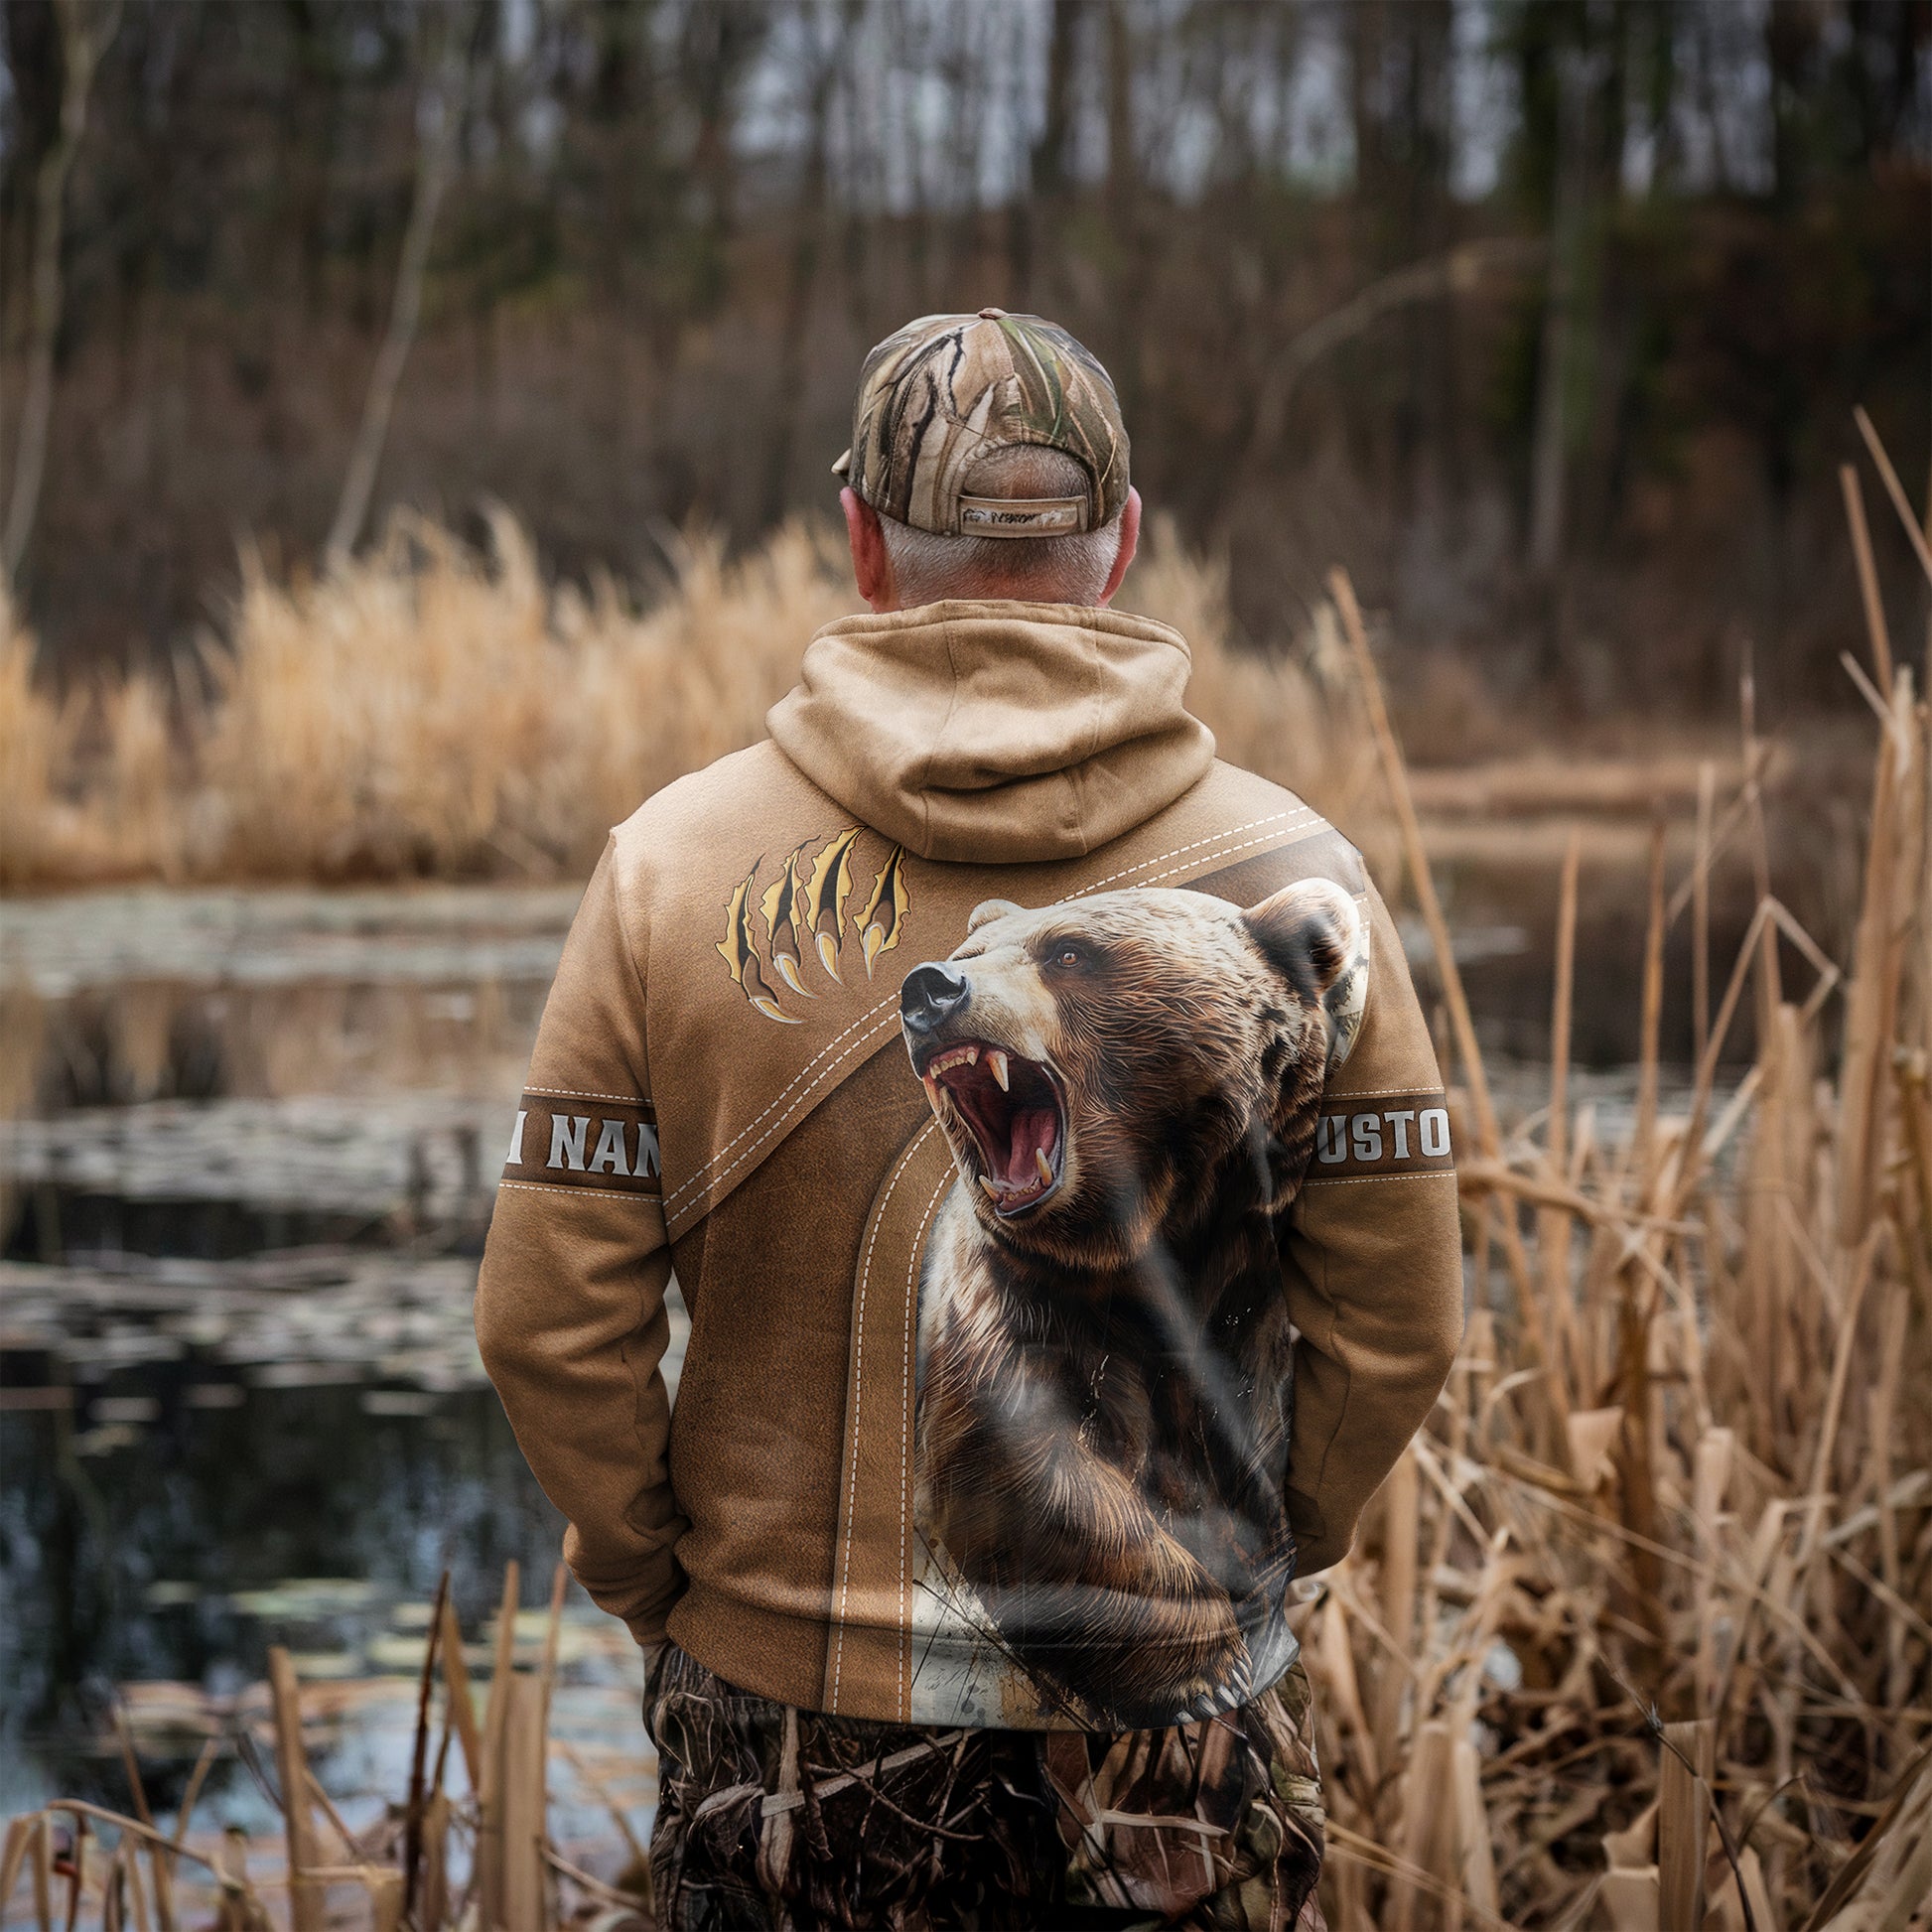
[(931, 994)]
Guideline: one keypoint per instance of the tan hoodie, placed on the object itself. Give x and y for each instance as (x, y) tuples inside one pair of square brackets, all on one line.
[(1042, 1126)]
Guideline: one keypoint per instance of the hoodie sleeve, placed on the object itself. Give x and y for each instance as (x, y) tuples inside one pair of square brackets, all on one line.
[(1374, 1263), (570, 1304)]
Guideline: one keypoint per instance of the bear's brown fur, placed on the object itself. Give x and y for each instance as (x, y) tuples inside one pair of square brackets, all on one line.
[(1131, 1085)]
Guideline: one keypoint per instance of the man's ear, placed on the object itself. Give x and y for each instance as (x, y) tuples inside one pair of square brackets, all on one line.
[(1313, 934), (1130, 541), (871, 566)]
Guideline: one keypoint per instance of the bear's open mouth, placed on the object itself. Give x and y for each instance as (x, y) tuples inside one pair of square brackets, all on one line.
[(1013, 1114)]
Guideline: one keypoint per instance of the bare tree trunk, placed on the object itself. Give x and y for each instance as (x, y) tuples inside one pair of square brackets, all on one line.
[(1548, 449), (438, 120), (965, 58), (1131, 269), (1123, 163), (833, 59), (85, 32), (1034, 220)]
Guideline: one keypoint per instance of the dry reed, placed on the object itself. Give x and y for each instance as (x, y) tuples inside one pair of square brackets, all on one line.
[(430, 709), (1639, 1638)]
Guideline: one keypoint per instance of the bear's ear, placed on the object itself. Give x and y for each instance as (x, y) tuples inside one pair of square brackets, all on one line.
[(989, 910), (1313, 934)]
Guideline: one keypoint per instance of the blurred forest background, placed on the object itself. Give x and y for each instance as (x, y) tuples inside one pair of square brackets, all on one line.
[(1545, 320)]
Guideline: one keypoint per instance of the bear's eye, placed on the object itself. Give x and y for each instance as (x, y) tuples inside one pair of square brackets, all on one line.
[(1068, 955)]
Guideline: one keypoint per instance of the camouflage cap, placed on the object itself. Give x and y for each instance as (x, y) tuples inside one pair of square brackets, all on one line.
[(946, 390)]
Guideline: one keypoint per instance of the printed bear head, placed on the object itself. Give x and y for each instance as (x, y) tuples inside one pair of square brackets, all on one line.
[(1106, 1068)]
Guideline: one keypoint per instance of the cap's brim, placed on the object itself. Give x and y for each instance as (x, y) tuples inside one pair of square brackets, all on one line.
[(843, 468)]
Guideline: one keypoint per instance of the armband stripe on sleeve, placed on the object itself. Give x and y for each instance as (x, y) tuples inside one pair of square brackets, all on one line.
[(585, 1141), (1368, 1136)]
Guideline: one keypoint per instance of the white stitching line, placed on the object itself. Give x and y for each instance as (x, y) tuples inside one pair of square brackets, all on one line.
[(946, 1184), (1387, 1093), (601, 1194), (570, 1093), (1226, 852), (715, 1173), (1364, 1179), (883, 1018), (859, 1388), (865, 1020), (1305, 812)]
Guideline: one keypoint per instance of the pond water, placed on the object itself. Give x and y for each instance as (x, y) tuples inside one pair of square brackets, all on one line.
[(243, 1193), (247, 1152)]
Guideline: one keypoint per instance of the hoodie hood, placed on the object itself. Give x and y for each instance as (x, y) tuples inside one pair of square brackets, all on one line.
[(995, 733)]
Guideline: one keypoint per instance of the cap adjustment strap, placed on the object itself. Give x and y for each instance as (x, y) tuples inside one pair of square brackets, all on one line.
[(1022, 517)]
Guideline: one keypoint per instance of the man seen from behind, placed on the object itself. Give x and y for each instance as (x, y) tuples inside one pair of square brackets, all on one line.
[(1042, 1132)]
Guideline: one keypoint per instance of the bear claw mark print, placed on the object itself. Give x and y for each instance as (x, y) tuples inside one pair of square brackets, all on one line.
[(1130, 1087), (808, 902)]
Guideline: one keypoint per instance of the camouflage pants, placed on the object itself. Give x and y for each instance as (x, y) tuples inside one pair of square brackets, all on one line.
[(773, 1818)]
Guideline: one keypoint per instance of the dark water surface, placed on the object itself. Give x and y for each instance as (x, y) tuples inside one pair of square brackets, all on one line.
[(245, 1172), (168, 1528)]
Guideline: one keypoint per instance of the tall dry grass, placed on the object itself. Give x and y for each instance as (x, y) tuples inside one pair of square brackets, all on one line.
[(1639, 1637), (432, 710)]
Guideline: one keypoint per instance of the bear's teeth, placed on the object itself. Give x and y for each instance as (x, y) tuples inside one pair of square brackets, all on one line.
[(997, 1060), (991, 1185), (972, 1057), (1044, 1166)]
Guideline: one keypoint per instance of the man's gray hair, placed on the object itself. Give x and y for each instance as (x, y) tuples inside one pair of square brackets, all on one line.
[(1041, 570)]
